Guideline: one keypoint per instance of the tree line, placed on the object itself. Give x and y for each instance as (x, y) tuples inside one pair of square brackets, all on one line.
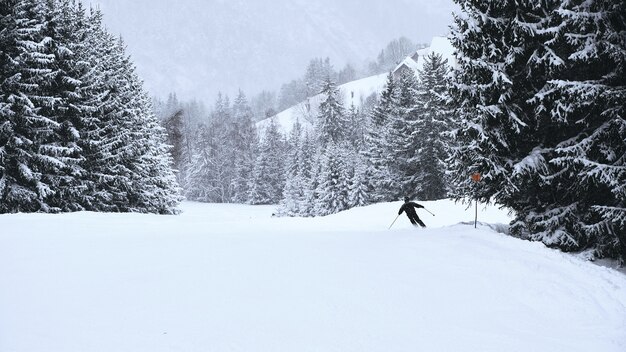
[(535, 106), (381, 151)]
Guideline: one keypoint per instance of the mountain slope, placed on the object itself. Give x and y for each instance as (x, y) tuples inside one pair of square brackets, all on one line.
[(355, 92), (305, 112)]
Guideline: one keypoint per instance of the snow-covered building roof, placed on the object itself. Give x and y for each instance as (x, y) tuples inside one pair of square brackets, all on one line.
[(415, 61)]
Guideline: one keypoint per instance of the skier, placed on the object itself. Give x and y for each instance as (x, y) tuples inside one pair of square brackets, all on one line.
[(409, 207)]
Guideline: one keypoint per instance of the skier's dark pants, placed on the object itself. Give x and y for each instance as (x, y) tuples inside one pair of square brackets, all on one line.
[(415, 219)]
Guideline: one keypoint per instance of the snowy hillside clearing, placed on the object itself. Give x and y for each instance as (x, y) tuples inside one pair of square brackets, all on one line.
[(354, 93), (234, 278)]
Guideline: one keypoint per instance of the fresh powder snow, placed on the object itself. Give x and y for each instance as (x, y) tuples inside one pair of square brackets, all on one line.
[(223, 277)]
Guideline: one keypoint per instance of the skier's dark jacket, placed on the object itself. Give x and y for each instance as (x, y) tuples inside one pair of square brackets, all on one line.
[(409, 207)]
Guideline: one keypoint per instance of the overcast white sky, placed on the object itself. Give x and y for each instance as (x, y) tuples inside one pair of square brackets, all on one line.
[(199, 47)]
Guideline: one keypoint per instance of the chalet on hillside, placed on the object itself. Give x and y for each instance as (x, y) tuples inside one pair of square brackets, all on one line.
[(410, 63), (415, 61)]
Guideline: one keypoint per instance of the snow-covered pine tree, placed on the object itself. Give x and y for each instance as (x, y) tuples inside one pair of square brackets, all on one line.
[(581, 109), (434, 120), (245, 145), (174, 125), (106, 133), (333, 181), (294, 191), (377, 148), (64, 32), (359, 190), (491, 86), (155, 188), (268, 179), (403, 143), (356, 125), (309, 169), (542, 95), (74, 132), (31, 160), (126, 160), (332, 123), (212, 169), (198, 185)]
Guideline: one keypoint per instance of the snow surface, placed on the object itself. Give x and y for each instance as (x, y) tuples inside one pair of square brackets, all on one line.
[(234, 278)]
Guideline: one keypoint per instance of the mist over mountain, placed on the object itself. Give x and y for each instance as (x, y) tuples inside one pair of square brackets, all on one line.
[(197, 48)]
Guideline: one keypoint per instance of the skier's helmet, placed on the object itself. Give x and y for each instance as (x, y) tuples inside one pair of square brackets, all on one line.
[(406, 199)]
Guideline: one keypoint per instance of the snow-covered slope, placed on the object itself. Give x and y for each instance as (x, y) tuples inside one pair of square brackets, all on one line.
[(354, 93), (234, 278)]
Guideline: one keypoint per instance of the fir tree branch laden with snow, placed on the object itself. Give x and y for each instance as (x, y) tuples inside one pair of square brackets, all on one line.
[(542, 93)]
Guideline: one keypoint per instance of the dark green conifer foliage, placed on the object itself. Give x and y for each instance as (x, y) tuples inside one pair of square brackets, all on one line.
[(541, 86)]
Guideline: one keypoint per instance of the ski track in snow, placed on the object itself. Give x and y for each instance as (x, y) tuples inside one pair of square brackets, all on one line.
[(233, 278)]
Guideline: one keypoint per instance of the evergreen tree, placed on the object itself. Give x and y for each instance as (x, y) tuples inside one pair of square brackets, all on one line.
[(212, 168), (268, 179), (332, 124), (155, 188), (174, 127), (294, 191), (63, 39), (309, 169), (377, 148), (31, 161), (402, 142), (107, 130), (359, 190), (245, 146), (199, 184), (434, 121), (333, 181), (76, 132), (542, 95), (355, 126)]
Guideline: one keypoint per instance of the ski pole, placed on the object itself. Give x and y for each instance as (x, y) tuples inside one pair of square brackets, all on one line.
[(429, 212), (394, 221)]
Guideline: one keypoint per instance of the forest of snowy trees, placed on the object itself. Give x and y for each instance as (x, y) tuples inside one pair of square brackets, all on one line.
[(351, 157), (535, 105), (77, 130)]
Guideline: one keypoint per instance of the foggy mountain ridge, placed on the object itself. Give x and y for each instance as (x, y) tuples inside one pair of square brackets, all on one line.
[(197, 48)]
